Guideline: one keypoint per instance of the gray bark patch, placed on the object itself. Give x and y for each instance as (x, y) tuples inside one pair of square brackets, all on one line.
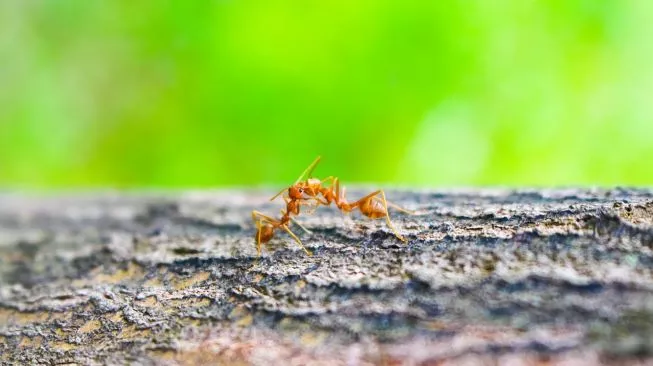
[(486, 275)]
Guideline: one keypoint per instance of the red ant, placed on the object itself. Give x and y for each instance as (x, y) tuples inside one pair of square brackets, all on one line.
[(266, 225)]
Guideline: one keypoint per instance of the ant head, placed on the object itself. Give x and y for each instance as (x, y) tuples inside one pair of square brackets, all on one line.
[(295, 192)]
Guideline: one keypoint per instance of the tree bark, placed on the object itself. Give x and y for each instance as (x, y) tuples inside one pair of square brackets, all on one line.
[(486, 275)]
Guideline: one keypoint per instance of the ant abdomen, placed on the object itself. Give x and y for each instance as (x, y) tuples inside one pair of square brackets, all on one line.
[(373, 209), (265, 233)]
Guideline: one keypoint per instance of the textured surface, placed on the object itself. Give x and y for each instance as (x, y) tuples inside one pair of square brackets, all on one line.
[(487, 275)]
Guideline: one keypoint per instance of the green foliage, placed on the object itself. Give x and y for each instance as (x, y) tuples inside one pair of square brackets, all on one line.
[(208, 93)]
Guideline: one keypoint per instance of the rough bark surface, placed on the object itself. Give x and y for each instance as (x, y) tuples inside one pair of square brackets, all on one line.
[(487, 275)]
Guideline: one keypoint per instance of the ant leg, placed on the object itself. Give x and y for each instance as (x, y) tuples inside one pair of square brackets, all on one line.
[(258, 238), (336, 181), (328, 179), (301, 226), (387, 218), (298, 224), (315, 202), (325, 181), (347, 208), (296, 239), (341, 202), (399, 208), (258, 215), (368, 197), (309, 201)]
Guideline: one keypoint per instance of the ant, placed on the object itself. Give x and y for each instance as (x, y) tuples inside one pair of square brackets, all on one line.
[(266, 225), (371, 205)]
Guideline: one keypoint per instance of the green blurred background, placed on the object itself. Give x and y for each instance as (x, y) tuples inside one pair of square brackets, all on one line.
[(431, 93)]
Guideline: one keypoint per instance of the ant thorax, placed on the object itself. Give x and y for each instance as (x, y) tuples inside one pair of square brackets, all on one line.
[(313, 186)]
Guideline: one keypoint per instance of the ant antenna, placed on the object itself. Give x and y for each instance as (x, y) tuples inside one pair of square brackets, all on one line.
[(308, 171)]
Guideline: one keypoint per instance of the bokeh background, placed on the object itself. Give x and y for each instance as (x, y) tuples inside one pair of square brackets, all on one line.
[(430, 93)]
